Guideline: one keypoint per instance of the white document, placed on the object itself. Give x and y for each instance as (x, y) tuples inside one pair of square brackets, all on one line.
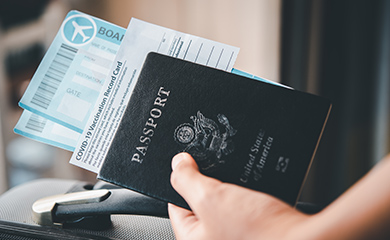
[(140, 39)]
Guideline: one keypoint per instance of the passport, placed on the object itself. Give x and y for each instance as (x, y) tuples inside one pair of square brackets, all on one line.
[(239, 130)]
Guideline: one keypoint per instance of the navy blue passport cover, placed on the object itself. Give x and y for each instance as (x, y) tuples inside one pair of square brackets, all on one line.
[(239, 130)]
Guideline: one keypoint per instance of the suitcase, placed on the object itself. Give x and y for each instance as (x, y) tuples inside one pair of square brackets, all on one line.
[(130, 221)]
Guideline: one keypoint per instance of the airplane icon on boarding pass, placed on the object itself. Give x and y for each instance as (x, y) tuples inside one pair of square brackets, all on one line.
[(79, 29)]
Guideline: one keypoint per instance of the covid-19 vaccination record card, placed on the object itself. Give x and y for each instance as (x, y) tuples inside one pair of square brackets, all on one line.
[(140, 39)]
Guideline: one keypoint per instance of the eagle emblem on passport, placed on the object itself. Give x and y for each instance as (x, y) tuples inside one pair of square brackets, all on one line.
[(206, 140)]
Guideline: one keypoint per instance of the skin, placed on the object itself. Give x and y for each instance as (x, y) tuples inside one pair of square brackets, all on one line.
[(227, 211)]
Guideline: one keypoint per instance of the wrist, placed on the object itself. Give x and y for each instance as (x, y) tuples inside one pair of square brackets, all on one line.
[(295, 227), (289, 224)]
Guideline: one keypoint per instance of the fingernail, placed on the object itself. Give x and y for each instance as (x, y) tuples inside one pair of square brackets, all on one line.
[(171, 209), (176, 160)]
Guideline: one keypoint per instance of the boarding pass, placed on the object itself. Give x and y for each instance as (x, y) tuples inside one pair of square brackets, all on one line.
[(68, 81)]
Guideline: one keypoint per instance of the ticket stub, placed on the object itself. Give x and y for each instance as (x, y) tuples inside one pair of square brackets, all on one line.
[(248, 75), (41, 129), (140, 39), (68, 81)]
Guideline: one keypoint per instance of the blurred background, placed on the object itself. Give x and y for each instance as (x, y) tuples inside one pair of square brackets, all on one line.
[(337, 49)]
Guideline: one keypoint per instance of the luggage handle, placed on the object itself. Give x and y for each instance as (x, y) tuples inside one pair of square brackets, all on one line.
[(92, 208)]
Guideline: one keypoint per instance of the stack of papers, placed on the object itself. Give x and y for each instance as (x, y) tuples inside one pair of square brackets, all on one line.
[(78, 95)]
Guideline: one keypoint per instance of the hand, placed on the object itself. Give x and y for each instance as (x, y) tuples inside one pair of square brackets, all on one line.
[(226, 211)]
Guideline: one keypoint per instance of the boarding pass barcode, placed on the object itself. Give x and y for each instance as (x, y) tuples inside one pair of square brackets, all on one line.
[(54, 76), (36, 123)]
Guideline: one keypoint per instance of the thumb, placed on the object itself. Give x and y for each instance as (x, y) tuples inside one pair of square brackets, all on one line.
[(189, 182), (186, 159)]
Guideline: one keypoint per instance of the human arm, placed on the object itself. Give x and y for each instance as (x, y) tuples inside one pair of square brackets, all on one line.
[(227, 211), (362, 212)]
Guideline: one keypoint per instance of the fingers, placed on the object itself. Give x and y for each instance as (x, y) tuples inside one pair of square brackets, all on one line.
[(183, 220), (189, 182)]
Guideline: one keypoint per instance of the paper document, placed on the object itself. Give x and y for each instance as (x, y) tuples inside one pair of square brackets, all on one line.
[(140, 39), (56, 108), (67, 83), (42, 129)]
